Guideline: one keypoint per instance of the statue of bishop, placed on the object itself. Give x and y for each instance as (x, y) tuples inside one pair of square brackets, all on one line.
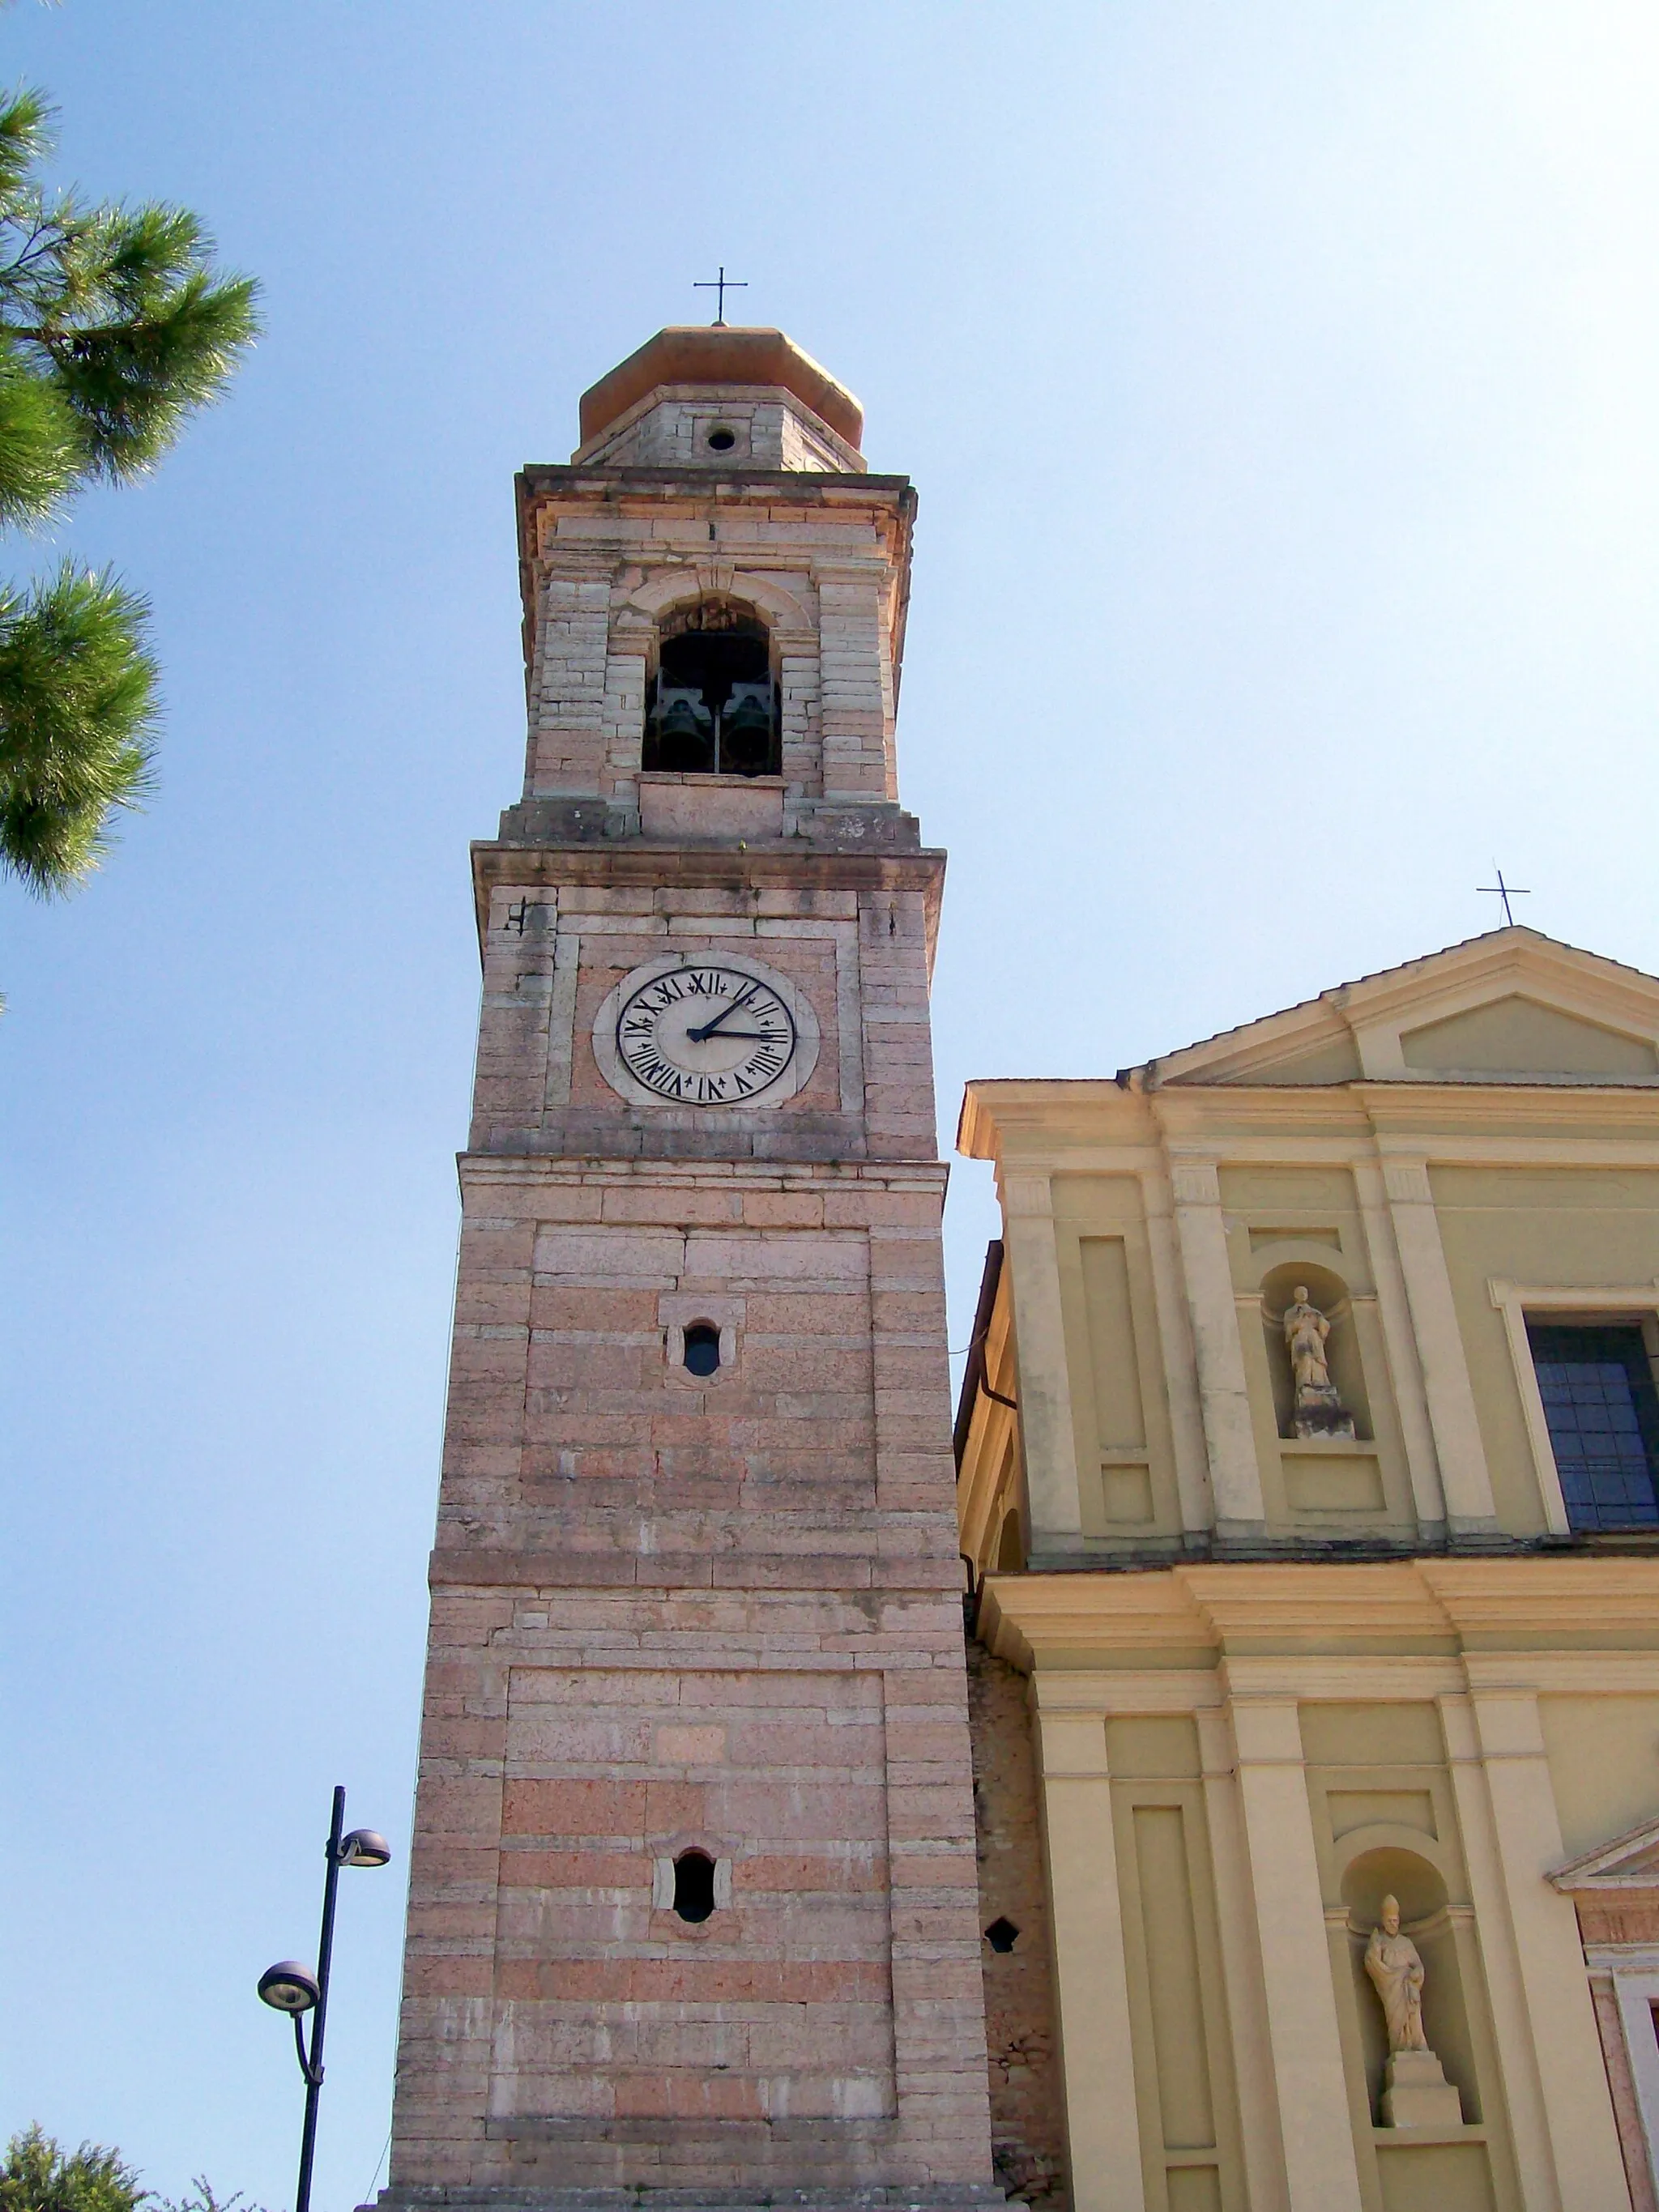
[(1395, 1967)]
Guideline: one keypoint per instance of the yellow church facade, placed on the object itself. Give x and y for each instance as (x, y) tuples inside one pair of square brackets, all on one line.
[(1309, 1479)]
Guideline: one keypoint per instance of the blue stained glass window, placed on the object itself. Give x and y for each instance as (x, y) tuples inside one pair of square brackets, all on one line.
[(1599, 1399)]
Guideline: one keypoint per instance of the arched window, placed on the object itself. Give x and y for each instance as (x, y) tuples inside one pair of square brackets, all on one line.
[(713, 709), (702, 1348), (693, 1886)]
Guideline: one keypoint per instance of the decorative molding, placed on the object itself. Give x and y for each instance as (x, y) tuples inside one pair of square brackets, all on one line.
[(1261, 1619), (1629, 1862)]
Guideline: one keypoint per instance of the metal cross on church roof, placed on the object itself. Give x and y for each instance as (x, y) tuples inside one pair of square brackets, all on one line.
[(719, 286), (1505, 891)]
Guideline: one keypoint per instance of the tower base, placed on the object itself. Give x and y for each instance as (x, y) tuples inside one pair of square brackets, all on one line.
[(954, 2198)]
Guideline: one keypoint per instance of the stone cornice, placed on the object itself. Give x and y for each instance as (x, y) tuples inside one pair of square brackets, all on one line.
[(483, 1168), (1087, 1110), (1500, 962), (1481, 1606), (792, 487), (788, 864), (1068, 1126)]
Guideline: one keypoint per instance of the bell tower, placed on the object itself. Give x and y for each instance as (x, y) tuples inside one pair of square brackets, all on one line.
[(693, 1902)]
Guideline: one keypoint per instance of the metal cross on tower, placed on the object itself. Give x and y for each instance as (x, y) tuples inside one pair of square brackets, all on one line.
[(719, 286), (1505, 891)]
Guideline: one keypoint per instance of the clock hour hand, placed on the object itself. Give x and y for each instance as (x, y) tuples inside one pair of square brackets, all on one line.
[(698, 1036), (742, 1036)]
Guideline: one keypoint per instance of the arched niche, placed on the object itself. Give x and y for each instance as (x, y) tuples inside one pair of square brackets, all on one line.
[(1011, 1546), (1399, 1863), (1326, 1290)]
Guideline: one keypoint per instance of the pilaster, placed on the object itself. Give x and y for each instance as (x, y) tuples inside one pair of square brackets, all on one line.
[(1241, 1959), (1517, 2050), (1234, 1473), (1400, 1340), (1526, 1837), (1180, 1362), (1047, 1435), (1303, 2037), (1090, 1970), (1464, 1476), (567, 736)]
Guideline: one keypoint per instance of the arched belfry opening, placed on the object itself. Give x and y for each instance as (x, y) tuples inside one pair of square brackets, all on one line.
[(712, 708)]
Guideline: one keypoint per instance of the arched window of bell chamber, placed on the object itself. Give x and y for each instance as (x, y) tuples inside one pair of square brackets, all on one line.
[(693, 1886), (712, 707)]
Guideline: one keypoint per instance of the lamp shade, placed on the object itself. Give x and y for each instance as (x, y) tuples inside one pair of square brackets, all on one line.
[(288, 1986), (363, 1848)]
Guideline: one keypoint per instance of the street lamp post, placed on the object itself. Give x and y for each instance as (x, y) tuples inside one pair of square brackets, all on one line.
[(291, 1987)]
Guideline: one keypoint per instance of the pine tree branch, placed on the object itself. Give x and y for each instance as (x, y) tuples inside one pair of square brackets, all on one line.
[(79, 711)]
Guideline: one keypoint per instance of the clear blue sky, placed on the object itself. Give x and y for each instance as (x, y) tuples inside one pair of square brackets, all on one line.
[(1282, 387)]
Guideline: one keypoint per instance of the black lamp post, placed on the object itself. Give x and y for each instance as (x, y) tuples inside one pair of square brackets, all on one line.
[(291, 1987)]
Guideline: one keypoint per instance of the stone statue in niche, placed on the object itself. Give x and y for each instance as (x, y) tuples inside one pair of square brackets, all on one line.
[(1415, 2091), (1395, 1967), (1317, 1411)]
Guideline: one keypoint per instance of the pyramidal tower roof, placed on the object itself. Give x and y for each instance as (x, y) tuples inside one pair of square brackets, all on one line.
[(702, 395)]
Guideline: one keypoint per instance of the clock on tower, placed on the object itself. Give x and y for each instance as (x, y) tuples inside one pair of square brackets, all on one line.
[(693, 1904)]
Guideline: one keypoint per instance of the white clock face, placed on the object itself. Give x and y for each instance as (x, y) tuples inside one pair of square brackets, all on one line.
[(706, 1035)]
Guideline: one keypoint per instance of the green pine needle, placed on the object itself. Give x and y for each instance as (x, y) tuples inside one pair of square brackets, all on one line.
[(78, 719), (115, 327)]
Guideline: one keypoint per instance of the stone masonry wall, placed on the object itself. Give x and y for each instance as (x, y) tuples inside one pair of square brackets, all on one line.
[(553, 952), (823, 560), (674, 1611), (1028, 2119), (669, 430), (669, 1611)]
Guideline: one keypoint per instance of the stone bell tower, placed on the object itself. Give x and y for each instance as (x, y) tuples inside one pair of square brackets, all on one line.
[(693, 1903)]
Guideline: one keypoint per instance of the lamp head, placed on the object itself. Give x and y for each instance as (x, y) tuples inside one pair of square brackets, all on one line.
[(363, 1848), (288, 1987)]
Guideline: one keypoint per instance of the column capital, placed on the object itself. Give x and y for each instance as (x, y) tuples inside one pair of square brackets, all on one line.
[(1407, 1182), (1194, 1181), (1268, 1731), (1031, 1196)]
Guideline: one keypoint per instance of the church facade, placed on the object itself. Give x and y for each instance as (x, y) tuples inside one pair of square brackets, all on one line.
[(1308, 1464), (693, 1914)]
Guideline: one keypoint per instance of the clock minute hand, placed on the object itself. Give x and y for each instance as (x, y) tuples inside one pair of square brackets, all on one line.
[(697, 1036)]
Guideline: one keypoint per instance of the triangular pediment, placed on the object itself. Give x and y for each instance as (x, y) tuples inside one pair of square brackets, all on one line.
[(1512, 1006), (1629, 1862)]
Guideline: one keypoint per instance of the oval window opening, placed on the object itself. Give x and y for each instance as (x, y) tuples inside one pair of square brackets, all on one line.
[(722, 440), (693, 1886), (702, 1348)]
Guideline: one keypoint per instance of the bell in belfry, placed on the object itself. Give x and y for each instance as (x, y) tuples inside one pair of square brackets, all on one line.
[(746, 729), (685, 729)]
